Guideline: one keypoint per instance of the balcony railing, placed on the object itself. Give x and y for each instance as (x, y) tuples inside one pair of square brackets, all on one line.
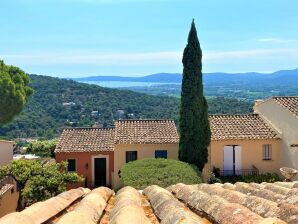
[(240, 172)]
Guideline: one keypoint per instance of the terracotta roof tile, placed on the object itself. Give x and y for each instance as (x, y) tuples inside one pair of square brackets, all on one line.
[(145, 132), (242, 126), (179, 203), (86, 140), (288, 102)]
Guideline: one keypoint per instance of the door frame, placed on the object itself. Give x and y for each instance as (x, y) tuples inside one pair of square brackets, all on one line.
[(107, 168), (234, 169)]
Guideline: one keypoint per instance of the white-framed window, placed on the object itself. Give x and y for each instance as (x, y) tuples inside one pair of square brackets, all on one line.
[(71, 165), (267, 152)]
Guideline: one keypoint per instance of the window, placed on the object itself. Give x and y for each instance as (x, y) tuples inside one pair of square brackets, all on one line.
[(131, 156), (71, 167), (161, 154), (267, 152)]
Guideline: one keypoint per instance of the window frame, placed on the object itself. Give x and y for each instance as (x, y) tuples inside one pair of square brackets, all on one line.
[(267, 152), (161, 150), (127, 159), (75, 165)]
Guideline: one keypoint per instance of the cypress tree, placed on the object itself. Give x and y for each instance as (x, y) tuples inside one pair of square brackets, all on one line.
[(195, 131)]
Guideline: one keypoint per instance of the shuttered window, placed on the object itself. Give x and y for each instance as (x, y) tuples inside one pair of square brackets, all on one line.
[(267, 152), (131, 156)]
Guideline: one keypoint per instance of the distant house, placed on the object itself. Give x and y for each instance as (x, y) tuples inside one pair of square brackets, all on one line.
[(6, 151), (69, 104), (99, 153), (282, 114), (94, 113), (242, 144), (119, 114)]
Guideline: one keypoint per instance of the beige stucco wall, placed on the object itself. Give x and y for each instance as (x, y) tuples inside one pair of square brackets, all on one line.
[(6, 152), (252, 154), (144, 151), (9, 201), (287, 125)]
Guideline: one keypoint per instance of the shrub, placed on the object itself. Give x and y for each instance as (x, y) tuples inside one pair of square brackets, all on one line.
[(267, 177), (162, 172), (213, 179)]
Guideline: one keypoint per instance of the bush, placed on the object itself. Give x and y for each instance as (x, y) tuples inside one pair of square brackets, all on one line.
[(212, 179), (42, 148), (267, 177), (162, 172), (38, 181)]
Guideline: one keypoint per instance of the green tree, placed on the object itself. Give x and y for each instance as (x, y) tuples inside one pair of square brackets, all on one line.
[(43, 148), (38, 180), (14, 91), (195, 132)]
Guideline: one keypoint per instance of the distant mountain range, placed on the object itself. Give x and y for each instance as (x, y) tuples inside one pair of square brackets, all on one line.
[(284, 76)]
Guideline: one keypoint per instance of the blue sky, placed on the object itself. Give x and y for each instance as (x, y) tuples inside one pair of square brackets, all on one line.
[(75, 38)]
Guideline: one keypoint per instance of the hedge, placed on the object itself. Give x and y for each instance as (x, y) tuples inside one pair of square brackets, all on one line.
[(162, 172)]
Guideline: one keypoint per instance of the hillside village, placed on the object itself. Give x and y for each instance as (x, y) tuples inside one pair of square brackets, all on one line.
[(98, 155)]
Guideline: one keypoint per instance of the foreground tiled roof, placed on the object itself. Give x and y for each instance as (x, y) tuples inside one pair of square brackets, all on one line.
[(242, 126), (86, 140), (203, 203), (145, 131), (288, 102)]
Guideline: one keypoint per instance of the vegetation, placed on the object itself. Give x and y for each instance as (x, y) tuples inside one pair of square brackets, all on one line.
[(38, 181), (44, 116), (195, 133), (267, 177), (43, 148), (162, 172), (14, 91)]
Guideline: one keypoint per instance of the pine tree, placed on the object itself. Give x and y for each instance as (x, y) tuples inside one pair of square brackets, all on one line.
[(195, 131)]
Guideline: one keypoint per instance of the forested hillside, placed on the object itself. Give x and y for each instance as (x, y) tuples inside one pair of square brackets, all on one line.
[(59, 103)]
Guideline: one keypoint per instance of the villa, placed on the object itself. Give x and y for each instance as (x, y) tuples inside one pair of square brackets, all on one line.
[(281, 113), (242, 144)]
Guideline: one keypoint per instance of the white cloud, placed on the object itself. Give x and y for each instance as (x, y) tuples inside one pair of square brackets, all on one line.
[(146, 58), (276, 40), (114, 1), (253, 54), (96, 58)]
